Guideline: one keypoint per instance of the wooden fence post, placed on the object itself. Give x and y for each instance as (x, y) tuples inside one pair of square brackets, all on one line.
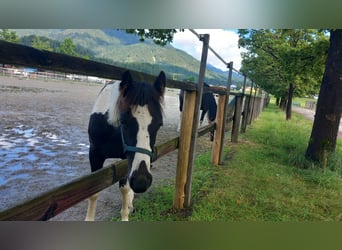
[(221, 116), (250, 105), (220, 129), (259, 106), (247, 110), (188, 134), (237, 118), (245, 113), (253, 106), (184, 148)]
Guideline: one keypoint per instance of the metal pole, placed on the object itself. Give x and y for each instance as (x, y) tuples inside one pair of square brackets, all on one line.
[(229, 82), (215, 53), (205, 39), (244, 85)]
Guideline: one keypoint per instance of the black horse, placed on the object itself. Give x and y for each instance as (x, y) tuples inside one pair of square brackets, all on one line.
[(124, 124), (208, 105)]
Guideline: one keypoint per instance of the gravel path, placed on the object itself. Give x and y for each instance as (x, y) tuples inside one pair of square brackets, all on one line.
[(310, 114)]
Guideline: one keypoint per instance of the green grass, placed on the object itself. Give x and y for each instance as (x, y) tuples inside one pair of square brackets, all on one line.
[(265, 177)]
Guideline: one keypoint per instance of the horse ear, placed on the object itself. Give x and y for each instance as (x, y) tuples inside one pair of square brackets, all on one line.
[(160, 83), (126, 82)]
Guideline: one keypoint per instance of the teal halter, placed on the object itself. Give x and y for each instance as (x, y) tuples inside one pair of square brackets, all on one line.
[(127, 148)]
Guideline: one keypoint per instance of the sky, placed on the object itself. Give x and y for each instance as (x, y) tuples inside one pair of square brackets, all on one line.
[(224, 42)]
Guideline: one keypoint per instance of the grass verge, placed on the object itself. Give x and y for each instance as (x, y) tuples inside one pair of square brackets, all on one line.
[(265, 177)]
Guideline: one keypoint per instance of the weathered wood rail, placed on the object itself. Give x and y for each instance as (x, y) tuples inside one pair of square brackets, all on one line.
[(16, 54)]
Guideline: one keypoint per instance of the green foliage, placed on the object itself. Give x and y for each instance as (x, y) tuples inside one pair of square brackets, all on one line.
[(159, 36), (67, 47), (9, 36), (277, 57), (29, 40), (40, 44)]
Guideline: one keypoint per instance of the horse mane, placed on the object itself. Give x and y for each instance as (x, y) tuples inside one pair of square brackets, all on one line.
[(140, 94)]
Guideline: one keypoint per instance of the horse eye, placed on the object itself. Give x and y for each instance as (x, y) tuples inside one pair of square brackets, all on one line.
[(122, 119), (123, 122)]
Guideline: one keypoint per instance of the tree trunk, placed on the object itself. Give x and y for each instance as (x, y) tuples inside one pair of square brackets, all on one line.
[(329, 105), (289, 102), (277, 101), (283, 102)]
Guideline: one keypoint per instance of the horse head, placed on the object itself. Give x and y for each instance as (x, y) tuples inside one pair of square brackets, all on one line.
[(140, 112)]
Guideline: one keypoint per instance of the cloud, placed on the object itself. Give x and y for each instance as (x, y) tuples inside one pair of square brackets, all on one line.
[(224, 42)]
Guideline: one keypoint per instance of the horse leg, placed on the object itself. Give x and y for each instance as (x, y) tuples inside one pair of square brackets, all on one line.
[(179, 122), (96, 162), (127, 199), (202, 117), (181, 96), (91, 207), (211, 134)]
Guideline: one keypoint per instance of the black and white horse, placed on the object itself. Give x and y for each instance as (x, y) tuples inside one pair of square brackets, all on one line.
[(208, 105), (124, 124)]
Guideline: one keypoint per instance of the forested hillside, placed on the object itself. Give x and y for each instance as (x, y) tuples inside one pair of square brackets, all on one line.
[(119, 48)]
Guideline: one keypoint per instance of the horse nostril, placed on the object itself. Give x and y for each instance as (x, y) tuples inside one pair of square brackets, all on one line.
[(140, 179)]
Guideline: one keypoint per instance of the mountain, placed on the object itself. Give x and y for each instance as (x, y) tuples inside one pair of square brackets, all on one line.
[(116, 47)]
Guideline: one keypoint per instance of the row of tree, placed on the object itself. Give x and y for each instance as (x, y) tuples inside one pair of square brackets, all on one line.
[(66, 47), (285, 63), (299, 62)]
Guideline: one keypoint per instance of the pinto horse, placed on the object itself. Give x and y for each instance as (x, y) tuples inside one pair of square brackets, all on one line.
[(208, 104), (123, 124)]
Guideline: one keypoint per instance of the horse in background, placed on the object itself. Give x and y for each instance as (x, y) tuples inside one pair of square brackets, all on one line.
[(208, 105), (123, 124)]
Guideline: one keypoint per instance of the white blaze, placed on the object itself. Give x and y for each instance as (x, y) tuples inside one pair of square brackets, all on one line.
[(144, 119)]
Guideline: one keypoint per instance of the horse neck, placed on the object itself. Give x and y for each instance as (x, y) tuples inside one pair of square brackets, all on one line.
[(212, 107), (113, 111)]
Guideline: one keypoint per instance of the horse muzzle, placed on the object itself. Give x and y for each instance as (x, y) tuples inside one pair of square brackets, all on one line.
[(141, 179)]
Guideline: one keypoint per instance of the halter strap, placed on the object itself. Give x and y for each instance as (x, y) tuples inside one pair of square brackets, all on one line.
[(127, 148)]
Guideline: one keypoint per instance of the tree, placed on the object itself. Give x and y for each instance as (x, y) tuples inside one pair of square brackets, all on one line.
[(9, 36), (159, 36), (67, 47), (329, 105), (40, 44)]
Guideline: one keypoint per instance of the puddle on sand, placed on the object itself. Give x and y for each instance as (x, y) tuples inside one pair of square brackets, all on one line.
[(24, 150)]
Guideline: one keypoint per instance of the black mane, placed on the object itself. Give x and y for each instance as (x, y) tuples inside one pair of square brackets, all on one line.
[(142, 94)]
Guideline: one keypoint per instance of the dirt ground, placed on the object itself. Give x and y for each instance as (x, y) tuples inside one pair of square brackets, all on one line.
[(44, 142)]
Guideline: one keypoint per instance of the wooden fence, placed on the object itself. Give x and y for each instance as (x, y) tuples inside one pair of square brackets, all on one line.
[(53, 202)]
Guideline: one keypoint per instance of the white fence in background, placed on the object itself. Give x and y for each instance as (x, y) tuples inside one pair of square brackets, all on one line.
[(23, 73)]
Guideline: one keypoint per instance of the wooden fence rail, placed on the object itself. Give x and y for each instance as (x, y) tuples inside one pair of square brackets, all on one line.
[(16, 54)]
